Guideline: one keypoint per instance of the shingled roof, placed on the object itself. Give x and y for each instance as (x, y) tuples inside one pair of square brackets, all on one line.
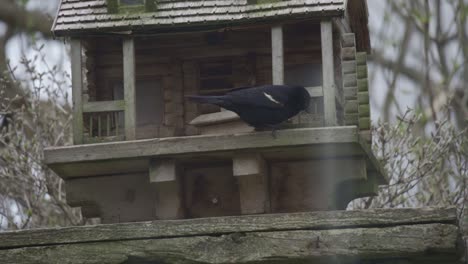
[(86, 16)]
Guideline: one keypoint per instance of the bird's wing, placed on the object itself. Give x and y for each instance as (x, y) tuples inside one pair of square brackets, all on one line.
[(265, 96)]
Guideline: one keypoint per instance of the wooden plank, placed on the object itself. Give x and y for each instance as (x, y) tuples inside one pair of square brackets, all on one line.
[(164, 175), (348, 40), (362, 71), (352, 106), (200, 144), (436, 243), (277, 54), (363, 97), (129, 88), (214, 118), (162, 170), (351, 93), (315, 91), (362, 84), (328, 72), (251, 172), (350, 80), (349, 66), (231, 224), (104, 106), (77, 90), (348, 54)]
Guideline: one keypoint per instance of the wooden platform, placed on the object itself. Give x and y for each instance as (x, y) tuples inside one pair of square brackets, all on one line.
[(134, 156), (369, 236)]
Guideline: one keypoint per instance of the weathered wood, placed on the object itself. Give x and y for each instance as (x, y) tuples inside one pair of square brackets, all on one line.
[(163, 174), (129, 88), (350, 93), (349, 66), (328, 72), (352, 106), (363, 98), (311, 185), (214, 118), (252, 177), (226, 225), (199, 144), (348, 54), (277, 54), (77, 90), (420, 243), (364, 123), (104, 106), (169, 202), (316, 91), (362, 85), (162, 170), (362, 71), (348, 40), (350, 80)]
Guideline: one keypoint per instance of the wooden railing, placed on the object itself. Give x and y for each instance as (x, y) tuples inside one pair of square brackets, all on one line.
[(103, 121)]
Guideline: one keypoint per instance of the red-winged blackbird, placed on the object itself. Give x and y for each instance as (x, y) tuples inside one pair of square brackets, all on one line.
[(263, 106)]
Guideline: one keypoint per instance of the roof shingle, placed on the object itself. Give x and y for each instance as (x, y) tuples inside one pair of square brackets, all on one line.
[(81, 16)]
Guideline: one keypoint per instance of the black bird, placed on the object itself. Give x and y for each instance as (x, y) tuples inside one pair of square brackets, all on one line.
[(263, 106)]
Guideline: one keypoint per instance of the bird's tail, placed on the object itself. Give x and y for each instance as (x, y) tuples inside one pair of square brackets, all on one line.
[(216, 100)]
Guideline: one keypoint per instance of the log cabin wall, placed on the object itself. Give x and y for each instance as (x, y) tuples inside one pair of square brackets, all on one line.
[(168, 67)]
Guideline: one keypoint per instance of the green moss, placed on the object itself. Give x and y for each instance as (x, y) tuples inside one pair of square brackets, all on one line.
[(112, 6), (151, 5)]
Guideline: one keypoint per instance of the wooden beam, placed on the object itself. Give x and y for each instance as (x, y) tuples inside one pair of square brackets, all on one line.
[(104, 106), (197, 145), (251, 172), (129, 88), (277, 54), (164, 176), (429, 243), (231, 224), (328, 72), (77, 90)]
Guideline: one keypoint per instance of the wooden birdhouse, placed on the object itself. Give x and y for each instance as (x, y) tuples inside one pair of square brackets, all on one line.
[(143, 152)]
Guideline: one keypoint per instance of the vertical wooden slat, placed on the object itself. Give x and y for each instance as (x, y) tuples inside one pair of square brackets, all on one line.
[(99, 125), (91, 126), (117, 124), (328, 72), (277, 54), (77, 90), (108, 117), (129, 88)]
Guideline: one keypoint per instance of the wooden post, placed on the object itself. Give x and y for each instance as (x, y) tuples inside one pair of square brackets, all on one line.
[(277, 54), (251, 173), (129, 88), (77, 90), (328, 72), (164, 174)]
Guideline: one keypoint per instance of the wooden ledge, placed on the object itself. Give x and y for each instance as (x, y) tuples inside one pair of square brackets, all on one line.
[(134, 156), (377, 236), (214, 118)]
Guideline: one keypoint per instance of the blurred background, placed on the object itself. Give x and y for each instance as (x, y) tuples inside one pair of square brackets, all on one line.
[(419, 100)]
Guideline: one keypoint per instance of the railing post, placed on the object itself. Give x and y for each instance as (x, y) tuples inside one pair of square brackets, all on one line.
[(328, 72), (129, 88), (77, 90), (277, 54)]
